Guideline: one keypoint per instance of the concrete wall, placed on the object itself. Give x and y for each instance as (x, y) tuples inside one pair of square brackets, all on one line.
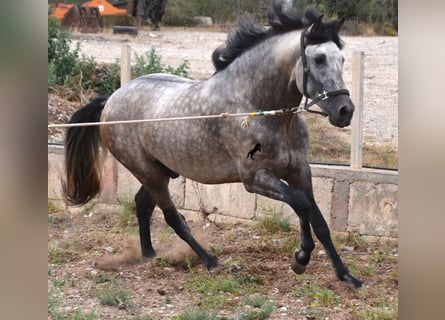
[(363, 201)]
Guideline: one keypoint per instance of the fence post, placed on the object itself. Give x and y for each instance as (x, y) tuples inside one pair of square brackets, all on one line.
[(110, 189), (357, 119), (125, 64)]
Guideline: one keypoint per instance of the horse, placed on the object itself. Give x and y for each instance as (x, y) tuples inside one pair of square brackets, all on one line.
[(258, 68)]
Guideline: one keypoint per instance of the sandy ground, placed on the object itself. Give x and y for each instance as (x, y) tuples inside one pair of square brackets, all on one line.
[(380, 114), (94, 265)]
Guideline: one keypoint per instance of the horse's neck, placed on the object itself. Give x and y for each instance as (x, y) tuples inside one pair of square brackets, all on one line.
[(263, 74)]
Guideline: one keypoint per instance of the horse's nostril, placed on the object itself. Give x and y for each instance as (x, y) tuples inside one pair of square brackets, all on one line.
[(345, 111)]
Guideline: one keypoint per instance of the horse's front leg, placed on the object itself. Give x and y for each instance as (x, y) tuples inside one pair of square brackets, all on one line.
[(264, 182), (303, 181)]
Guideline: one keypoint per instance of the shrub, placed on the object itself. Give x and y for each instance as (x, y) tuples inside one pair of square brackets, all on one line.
[(67, 68), (63, 60), (150, 62)]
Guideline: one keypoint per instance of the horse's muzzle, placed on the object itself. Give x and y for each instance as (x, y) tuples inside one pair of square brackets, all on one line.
[(342, 118)]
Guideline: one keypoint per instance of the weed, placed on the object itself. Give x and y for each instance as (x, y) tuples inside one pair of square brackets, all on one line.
[(290, 244), (378, 313), (163, 262), (357, 240), (102, 278), (197, 314), (265, 306), (312, 313), (243, 278), (140, 318), (56, 312), (164, 234), (189, 264), (112, 294), (150, 62), (53, 206), (57, 255), (208, 285), (67, 280), (272, 224), (215, 293), (326, 298), (127, 216), (306, 288)]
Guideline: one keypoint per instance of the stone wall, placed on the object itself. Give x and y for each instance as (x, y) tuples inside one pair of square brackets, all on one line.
[(363, 201)]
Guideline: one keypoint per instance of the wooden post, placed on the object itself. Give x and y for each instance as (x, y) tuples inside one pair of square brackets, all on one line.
[(110, 189), (357, 119), (125, 64)]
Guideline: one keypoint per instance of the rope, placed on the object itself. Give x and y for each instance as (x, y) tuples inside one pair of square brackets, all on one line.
[(222, 115)]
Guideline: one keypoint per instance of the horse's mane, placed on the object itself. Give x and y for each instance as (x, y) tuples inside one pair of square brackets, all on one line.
[(248, 35)]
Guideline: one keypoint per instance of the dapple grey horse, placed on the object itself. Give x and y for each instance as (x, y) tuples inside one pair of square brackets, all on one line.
[(258, 68)]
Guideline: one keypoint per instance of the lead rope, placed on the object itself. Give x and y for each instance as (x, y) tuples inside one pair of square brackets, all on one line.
[(221, 115)]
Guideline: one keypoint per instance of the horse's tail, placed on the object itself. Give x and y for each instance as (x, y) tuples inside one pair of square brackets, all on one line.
[(82, 160)]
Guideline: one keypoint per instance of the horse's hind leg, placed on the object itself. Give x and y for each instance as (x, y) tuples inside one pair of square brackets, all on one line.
[(267, 184), (144, 210), (174, 219)]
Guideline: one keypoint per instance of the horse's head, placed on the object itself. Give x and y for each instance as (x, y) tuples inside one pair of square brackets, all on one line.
[(319, 72)]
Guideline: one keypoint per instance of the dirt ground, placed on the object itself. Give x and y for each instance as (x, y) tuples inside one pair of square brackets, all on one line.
[(95, 250)]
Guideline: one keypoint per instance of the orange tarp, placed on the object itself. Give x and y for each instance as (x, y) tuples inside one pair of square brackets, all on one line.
[(61, 9), (105, 8)]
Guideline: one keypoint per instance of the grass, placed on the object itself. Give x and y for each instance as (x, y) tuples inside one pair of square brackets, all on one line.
[(197, 314), (56, 311), (331, 145), (111, 293), (272, 221), (54, 206), (253, 308), (214, 293), (127, 216)]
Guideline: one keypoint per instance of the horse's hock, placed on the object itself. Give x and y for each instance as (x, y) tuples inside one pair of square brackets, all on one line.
[(363, 201)]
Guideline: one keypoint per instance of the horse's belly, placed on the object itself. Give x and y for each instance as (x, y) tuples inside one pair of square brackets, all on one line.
[(210, 167)]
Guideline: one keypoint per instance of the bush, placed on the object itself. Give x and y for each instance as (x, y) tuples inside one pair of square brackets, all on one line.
[(66, 68), (150, 62), (63, 60)]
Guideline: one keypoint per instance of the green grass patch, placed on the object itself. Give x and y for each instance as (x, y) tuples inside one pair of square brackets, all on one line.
[(273, 223), (127, 216), (209, 285), (56, 311), (111, 293), (263, 308), (54, 206), (198, 314)]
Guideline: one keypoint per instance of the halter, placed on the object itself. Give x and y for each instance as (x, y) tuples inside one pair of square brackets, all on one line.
[(323, 95)]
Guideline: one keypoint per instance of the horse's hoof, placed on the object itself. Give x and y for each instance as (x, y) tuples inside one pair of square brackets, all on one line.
[(211, 264), (297, 267), (148, 255), (349, 278)]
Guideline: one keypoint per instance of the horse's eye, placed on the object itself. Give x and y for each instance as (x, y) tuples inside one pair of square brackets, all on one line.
[(320, 59)]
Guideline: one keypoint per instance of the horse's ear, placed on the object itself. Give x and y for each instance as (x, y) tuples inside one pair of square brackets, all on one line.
[(340, 24), (316, 25)]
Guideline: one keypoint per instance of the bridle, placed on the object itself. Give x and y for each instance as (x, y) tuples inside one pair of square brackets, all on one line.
[(323, 95)]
